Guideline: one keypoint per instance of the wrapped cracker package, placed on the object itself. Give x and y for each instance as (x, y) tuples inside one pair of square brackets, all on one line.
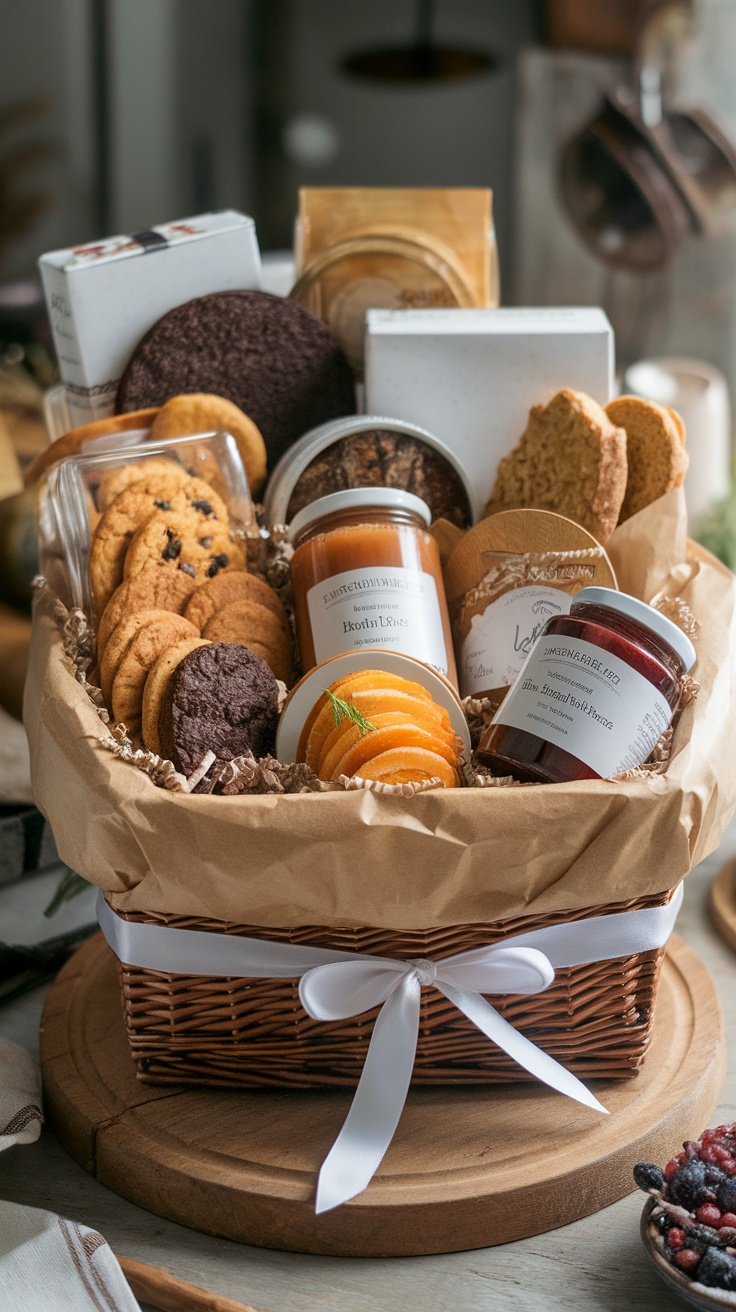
[(408, 877)]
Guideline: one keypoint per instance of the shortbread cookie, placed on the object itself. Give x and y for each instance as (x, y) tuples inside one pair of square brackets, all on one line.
[(656, 456), (268, 355), (202, 412), (221, 698), (236, 585), (132, 508), (158, 589), (118, 642), (151, 641), (571, 459), (182, 540), (157, 682), (256, 627)]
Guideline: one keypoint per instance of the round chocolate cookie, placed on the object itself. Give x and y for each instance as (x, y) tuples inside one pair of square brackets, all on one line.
[(222, 698), (268, 355)]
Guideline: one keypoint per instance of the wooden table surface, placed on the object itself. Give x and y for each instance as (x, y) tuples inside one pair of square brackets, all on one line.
[(596, 1263)]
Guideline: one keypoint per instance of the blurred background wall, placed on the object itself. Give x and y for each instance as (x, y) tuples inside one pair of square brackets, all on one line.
[(159, 110)]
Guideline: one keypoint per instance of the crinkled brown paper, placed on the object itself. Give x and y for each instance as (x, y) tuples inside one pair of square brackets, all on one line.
[(443, 857)]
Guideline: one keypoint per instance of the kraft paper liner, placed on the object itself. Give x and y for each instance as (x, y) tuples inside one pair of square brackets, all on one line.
[(444, 857)]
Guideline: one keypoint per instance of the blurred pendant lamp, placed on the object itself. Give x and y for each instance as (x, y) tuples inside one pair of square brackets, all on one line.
[(422, 61), (642, 174)]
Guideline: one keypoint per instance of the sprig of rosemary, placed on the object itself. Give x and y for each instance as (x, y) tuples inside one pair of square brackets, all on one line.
[(341, 709)]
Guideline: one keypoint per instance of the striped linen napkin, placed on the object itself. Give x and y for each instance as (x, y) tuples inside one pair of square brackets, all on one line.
[(47, 1264)]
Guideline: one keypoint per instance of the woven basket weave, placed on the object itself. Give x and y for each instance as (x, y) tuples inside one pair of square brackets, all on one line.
[(595, 1019)]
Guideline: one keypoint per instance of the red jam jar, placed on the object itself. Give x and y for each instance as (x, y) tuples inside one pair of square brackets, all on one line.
[(595, 695)]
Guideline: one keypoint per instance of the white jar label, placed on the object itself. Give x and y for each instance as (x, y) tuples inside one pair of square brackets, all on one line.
[(587, 701), (501, 638), (386, 606)]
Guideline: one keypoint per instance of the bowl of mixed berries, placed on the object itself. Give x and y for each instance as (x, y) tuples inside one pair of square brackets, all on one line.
[(689, 1223)]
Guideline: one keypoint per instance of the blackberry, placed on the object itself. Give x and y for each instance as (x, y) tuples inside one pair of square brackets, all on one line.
[(648, 1176), (717, 1269), (727, 1194), (688, 1185)]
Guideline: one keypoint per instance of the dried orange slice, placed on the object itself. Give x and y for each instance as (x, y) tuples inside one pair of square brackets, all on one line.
[(395, 699), (384, 739), (322, 710), (348, 733), (406, 764)]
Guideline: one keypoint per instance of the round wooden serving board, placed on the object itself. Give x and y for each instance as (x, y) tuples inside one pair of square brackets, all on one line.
[(469, 1167), (723, 902)]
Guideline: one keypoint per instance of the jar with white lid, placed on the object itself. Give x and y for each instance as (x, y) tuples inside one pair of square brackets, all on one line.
[(366, 573), (595, 695)]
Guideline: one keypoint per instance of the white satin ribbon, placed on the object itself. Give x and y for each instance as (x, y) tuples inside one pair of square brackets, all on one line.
[(337, 985)]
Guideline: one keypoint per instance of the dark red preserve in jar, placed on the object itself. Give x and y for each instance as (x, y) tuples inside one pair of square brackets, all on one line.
[(595, 694)]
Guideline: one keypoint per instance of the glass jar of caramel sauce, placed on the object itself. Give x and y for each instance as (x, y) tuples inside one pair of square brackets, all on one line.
[(366, 573), (595, 695)]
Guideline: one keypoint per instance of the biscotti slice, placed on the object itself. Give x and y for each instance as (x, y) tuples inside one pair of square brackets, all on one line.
[(656, 455), (571, 459)]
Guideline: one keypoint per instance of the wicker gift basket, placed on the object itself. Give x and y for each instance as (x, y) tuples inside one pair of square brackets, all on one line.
[(425, 876)]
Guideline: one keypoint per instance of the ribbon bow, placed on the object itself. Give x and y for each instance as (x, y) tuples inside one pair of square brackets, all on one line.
[(348, 988), (337, 985)]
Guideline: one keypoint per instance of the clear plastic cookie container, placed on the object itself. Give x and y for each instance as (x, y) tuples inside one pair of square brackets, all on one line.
[(82, 488)]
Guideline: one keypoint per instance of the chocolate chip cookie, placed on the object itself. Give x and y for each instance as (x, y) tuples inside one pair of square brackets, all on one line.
[(185, 541), (132, 508), (115, 481)]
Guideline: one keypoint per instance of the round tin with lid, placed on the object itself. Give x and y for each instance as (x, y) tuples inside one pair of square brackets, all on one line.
[(369, 450), (595, 695), (366, 573)]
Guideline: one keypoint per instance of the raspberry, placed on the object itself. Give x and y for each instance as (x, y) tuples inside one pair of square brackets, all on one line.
[(671, 1168), (729, 1166), (675, 1238), (686, 1259), (728, 1219), (709, 1214), (708, 1154), (722, 1154)]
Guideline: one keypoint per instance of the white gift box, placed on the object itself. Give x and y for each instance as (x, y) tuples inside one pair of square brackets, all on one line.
[(104, 296), (471, 376)]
